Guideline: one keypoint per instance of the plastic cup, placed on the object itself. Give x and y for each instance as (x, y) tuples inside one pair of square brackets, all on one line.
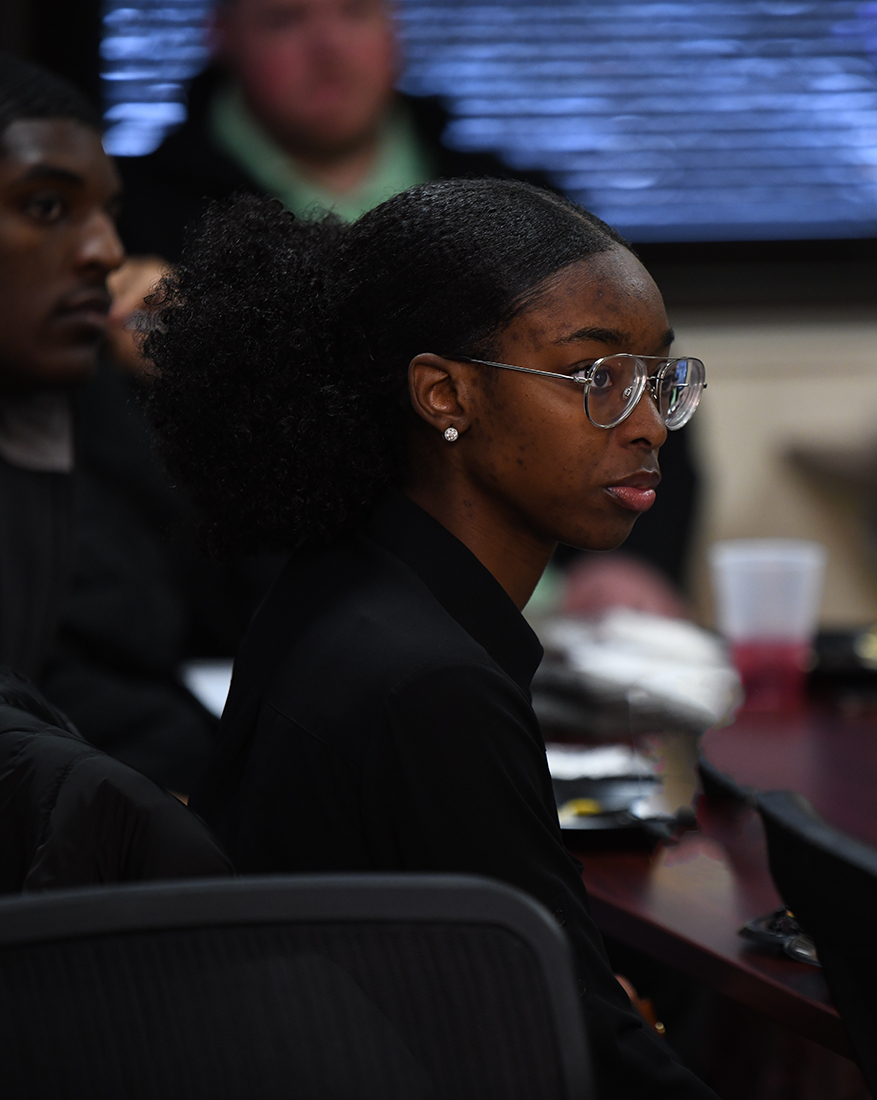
[(767, 594)]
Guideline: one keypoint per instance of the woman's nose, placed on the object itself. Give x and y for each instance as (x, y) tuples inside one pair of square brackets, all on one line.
[(645, 425)]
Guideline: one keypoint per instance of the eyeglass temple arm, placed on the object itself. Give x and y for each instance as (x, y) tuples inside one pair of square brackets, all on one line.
[(651, 380), (523, 370)]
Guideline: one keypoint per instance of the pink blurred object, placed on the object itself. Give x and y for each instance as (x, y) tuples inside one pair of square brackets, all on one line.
[(600, 582)]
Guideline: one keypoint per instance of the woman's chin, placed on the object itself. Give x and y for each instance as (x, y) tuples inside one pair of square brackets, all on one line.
[(598, 541)]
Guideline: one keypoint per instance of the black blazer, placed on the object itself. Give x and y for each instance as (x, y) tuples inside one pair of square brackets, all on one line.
[(380, 720)]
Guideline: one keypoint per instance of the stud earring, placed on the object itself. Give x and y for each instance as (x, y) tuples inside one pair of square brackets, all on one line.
[(451, 434)]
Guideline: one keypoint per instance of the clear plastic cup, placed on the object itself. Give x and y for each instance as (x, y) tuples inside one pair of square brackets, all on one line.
[(767, 594)]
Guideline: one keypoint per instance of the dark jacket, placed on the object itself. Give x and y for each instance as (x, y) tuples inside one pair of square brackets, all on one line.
[(380, 720), (35, 550), (168, 189), (72, 816)]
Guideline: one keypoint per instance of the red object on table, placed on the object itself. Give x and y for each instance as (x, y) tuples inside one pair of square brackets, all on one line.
[(774, 674)]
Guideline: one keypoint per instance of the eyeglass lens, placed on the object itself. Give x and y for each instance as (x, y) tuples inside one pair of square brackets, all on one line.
[(618, 383), (680, 390)]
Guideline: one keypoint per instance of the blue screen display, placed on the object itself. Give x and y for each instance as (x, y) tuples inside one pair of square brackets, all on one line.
[(703, 120)]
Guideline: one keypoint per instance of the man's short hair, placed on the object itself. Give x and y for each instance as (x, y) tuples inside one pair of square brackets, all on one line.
[(29, 91)]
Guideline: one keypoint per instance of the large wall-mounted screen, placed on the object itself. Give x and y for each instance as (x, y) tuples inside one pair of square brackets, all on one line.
[(698, 120)]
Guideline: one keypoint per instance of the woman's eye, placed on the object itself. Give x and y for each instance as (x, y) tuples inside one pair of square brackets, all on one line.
[(45, 207), (602, 379)]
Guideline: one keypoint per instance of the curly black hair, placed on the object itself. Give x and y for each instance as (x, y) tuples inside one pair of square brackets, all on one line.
[(282, 345)]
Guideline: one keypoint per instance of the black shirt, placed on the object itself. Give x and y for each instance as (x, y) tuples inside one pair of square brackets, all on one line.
[(380, 720), (35, 537)]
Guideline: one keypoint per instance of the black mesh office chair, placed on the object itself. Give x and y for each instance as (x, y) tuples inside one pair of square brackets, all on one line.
[(829, 881), (321, 987)]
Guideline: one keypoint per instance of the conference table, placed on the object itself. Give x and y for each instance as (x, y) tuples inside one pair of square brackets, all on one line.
[(683, 903)]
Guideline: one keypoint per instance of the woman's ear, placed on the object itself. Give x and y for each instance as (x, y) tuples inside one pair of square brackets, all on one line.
[(438, 392)]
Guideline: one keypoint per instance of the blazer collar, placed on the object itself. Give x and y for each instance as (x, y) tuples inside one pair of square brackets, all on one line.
[(463, 586)]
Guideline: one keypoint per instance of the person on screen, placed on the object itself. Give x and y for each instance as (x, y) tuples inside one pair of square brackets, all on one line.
[(59, 196), (299, 102), (419, 406)]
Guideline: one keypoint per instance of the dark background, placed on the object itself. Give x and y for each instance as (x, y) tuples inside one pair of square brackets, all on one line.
[(65, 36), (61, 34)]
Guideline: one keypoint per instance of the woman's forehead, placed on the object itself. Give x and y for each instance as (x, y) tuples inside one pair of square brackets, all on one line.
[(609, 298)]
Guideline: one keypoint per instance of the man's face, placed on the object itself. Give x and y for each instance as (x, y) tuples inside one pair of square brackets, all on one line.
[(58, 242), (318, 74)]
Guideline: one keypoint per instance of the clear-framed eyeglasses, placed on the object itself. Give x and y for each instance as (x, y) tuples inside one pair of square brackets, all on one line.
[(614, 385)]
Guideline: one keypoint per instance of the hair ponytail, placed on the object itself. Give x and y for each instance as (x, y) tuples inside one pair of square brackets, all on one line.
[(253, 358)]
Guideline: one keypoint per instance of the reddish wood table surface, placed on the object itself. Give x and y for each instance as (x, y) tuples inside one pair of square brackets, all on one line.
[(683, 904), (829, 757)]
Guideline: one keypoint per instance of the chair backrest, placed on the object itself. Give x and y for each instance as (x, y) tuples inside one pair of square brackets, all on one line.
[(829, 881), (313, 987)]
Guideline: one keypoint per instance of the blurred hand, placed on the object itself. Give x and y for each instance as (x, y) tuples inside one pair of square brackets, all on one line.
[(133, 282), (643, 1006), (599, 582)]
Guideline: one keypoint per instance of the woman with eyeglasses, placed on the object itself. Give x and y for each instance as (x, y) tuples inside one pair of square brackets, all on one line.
[(420, 406)]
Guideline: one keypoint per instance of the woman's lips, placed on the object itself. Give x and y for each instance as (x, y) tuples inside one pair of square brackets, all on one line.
[(636, 493), (636, 500)]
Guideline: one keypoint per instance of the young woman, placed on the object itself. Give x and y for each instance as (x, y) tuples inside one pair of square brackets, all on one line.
[(421, 406)]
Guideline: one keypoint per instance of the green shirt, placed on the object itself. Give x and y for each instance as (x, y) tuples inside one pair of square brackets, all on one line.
[(401, 160)]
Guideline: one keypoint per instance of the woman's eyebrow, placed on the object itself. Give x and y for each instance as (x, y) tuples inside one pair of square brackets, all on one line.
[(601, 335), (608, 336)]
